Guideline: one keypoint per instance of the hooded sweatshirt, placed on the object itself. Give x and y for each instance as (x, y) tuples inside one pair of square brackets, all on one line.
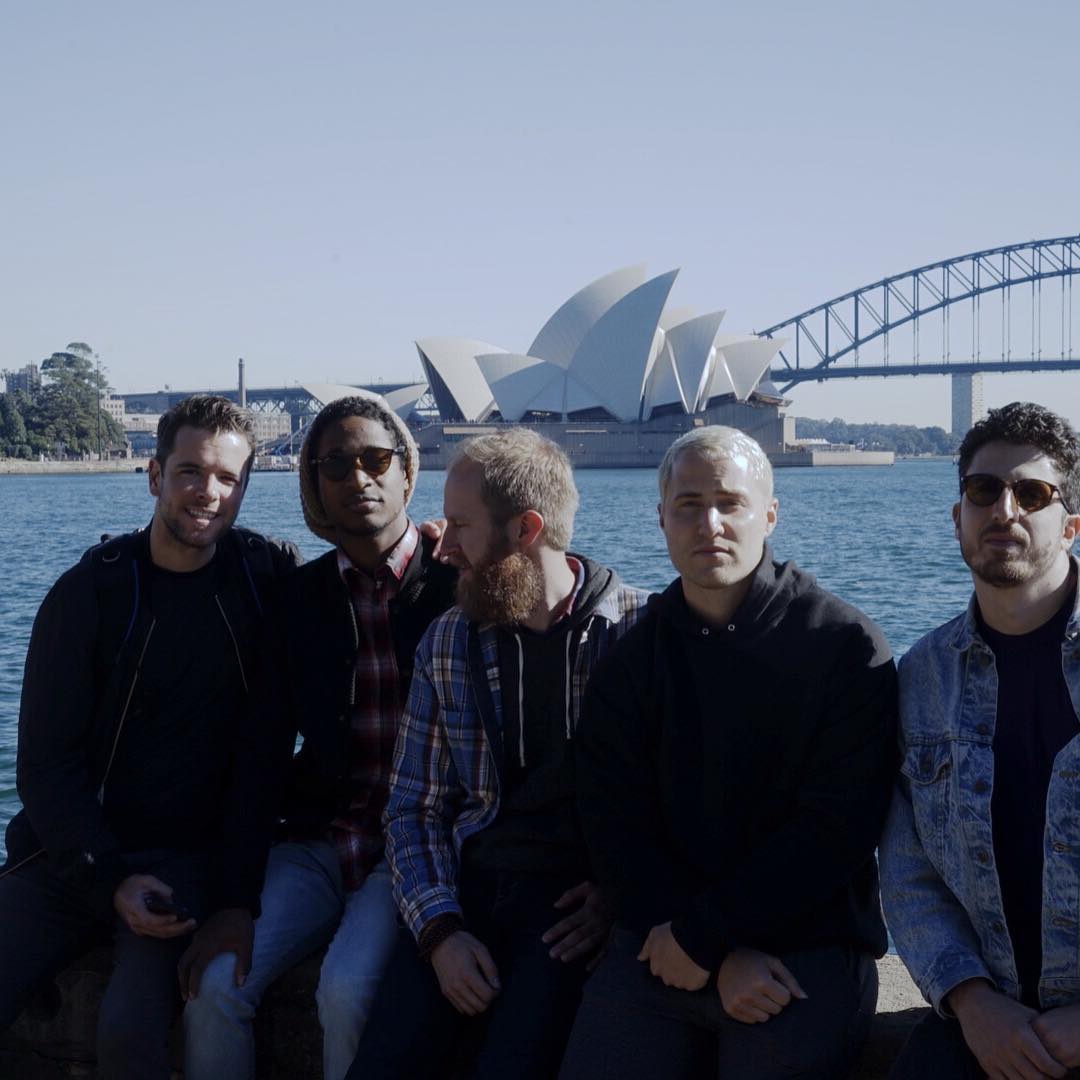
[(536, 830), (734, 779)]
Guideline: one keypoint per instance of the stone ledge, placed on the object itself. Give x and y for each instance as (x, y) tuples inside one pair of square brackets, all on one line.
[(54, 1037)]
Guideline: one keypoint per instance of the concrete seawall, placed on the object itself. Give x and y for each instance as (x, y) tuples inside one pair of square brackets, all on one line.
[(18, 467), (54, 1038)]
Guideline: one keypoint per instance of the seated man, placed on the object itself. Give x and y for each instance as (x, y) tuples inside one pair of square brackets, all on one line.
[(980, 859), (490, 871), (340, 656), (135, 741), (734, 766)]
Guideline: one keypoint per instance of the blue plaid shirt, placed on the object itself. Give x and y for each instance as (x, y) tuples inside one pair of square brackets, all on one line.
[(444, 786)]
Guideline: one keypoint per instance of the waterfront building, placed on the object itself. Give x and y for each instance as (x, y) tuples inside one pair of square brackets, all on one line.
[(613, 377), (27, 379)]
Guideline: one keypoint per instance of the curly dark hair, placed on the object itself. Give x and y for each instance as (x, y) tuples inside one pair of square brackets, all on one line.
[(1026, 424), (207, 412)]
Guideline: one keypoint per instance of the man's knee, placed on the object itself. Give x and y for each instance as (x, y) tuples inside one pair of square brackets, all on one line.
[(220, 996)]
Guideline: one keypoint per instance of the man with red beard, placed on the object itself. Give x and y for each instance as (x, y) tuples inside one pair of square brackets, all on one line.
[(490, 870), (980, 860)]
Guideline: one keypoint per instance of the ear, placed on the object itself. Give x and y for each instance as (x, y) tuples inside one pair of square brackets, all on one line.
[(529, 528), (660, 515), (956, 520), (771, 516), (153, 471), (1070, 530)]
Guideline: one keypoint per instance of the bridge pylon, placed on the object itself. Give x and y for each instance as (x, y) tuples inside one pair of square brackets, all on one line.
[(967, 402)]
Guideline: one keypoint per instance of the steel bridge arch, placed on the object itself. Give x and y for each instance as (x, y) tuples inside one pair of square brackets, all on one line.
[(971, 276)]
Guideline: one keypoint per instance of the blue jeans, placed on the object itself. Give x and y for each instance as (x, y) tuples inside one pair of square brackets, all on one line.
[(304, 906)]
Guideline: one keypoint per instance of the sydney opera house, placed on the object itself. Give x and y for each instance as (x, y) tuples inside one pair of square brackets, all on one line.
[(613, 376)]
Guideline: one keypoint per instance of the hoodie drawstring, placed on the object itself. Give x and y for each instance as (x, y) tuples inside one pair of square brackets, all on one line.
[(521, 700)]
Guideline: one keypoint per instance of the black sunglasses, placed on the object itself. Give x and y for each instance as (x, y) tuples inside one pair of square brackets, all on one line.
[(1030, 494), (374, 460)]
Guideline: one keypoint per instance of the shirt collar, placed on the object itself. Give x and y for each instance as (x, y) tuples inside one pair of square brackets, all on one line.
[(566, 607), (396, 560)]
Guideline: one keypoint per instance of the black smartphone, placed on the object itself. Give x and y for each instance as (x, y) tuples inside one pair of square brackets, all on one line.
[(162, 905)]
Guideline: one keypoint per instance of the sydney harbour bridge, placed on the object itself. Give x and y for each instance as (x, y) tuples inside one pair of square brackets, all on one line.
[(1003, 309)]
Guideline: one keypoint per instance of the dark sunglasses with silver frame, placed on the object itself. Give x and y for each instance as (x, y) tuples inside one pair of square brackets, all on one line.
[(374, 460), (1030, 493)]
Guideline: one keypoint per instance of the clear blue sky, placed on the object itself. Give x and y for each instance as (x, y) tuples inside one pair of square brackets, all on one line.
[(314, 186)]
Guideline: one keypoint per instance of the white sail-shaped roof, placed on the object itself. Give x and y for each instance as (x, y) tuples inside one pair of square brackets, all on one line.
[(662, 387), (516, 380), (404, 400), (692, 343), (719, 379), (324, 393), (457, 383), (612, 360), (562, 334), (747, 360)]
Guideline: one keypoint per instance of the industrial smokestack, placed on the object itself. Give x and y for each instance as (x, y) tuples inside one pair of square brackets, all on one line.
[(243, 388)]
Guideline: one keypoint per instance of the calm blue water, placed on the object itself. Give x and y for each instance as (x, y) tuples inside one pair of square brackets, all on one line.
[(881, 538)]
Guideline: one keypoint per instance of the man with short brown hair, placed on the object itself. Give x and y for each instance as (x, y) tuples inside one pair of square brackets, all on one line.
[(134, 738)]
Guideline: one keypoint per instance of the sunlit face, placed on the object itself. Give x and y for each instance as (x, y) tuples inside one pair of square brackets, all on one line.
[(362, 504), (471, 532), (1004, 545), (201, 486), (497, 582), (715, 516)]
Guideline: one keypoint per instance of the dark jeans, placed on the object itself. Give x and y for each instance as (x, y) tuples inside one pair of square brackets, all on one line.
[(414, 1032), (45, 925), (631, 1025), (936, 1048)]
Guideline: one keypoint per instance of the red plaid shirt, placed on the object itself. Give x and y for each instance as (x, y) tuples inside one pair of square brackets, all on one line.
[(377, 708)]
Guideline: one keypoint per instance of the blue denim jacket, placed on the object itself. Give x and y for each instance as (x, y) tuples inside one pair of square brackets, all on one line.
[(939, 882)]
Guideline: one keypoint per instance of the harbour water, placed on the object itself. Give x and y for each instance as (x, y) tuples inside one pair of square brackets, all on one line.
[(881, 537)]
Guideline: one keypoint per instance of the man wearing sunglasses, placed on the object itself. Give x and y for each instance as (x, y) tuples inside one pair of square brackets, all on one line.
[(981, 856), (339, 654)]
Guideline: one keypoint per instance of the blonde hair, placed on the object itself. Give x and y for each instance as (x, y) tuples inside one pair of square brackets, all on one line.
[(715, 442), (521, 470)]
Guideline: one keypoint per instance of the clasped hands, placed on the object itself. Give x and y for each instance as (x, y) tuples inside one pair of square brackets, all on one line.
[(466, 970), (1009, 1040), (753, 985)]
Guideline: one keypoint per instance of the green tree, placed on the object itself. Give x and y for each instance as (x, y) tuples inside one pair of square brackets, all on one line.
[(14, 440), (66, 417)]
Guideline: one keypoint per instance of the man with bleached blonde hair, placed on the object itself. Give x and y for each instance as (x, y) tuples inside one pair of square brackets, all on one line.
[(490, 871), (734, 762)]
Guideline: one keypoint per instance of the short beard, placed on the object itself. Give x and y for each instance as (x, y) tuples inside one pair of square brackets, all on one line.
[(504, 590)]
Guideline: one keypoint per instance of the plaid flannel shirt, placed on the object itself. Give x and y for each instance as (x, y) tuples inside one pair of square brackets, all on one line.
[(444, 786), (373, 718)]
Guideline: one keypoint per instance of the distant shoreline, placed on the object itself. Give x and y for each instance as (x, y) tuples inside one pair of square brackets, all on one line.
[(19, 467)]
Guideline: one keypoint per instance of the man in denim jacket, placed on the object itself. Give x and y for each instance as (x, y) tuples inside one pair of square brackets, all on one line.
[(981, 855)]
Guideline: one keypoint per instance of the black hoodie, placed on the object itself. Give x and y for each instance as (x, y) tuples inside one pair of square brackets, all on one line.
[(536, 830), (734, 779)]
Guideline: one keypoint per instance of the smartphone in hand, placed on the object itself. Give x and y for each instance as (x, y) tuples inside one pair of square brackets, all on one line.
[(163, 905)]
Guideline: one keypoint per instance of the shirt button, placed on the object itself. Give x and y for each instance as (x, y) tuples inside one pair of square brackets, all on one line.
[(999, 927), (1059, 847), (981, 786), (704, 631), (983, 729), (731, 626), (982, 857)]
